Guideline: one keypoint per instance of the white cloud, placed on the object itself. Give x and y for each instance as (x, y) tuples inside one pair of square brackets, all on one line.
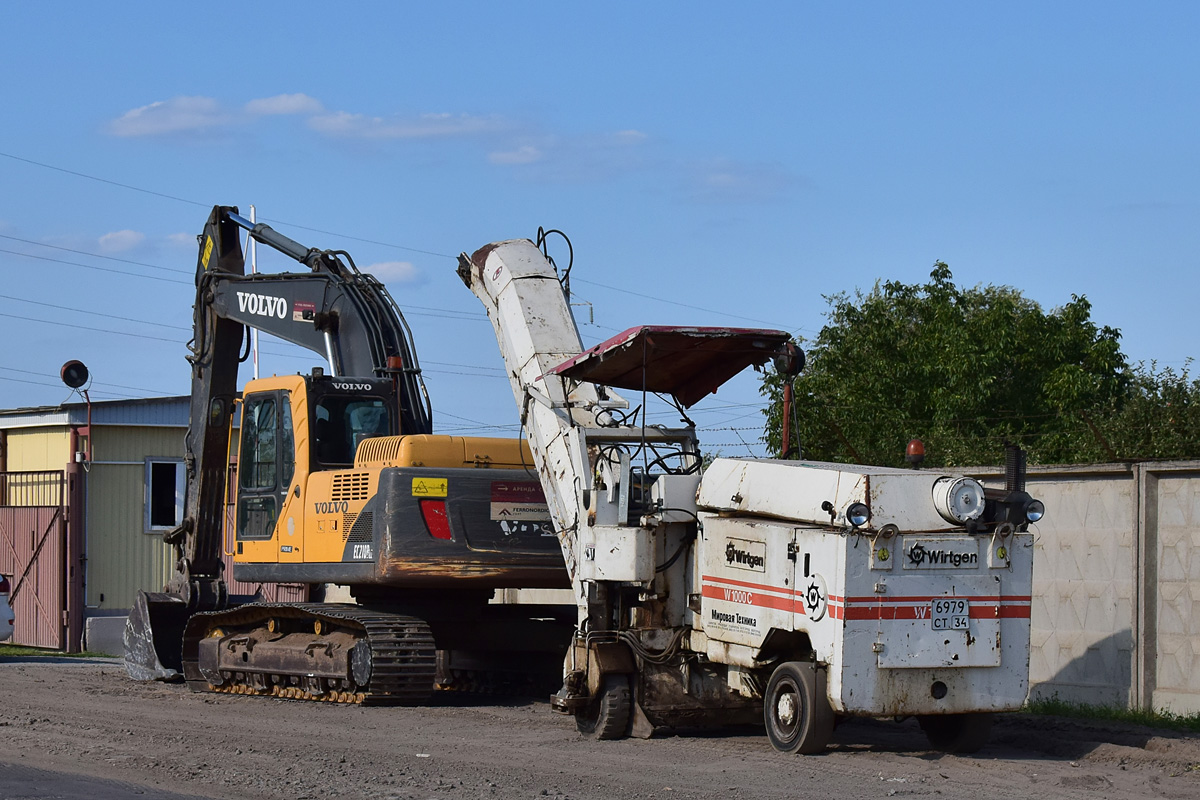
[(578, 158), (522, 155), (182, 239), (727, 180), (177, 115), (284, 104), (426, 126), (533, 153), (629, 137), (194, 114), (394, 271), (120, 241)]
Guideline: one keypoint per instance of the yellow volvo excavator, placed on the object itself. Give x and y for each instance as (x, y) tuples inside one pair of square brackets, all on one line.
[(339, 480)]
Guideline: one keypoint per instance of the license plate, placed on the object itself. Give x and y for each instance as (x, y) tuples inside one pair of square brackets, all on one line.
[(950, 614)]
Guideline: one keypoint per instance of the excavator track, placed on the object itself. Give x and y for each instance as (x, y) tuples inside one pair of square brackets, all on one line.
[(311, 651)]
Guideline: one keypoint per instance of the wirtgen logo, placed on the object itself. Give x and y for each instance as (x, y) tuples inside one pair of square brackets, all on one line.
[(921, 556), (746, 555)]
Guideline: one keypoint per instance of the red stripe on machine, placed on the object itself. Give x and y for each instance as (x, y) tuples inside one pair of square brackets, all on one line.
[(748, 598), (868, 607)]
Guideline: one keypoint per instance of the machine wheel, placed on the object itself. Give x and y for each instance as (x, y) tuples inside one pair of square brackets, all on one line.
[(795, 709), (607, 716), (957, 733)]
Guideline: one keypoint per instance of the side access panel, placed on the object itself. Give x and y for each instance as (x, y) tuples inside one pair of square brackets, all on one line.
[(759, 575)]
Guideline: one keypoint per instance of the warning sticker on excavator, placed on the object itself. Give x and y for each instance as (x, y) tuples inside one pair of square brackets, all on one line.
[(207, 251), (304, 311), (430, 487)]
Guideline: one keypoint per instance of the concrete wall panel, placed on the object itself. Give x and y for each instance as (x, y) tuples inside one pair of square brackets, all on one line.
[(1177, 678), (1084, 588)]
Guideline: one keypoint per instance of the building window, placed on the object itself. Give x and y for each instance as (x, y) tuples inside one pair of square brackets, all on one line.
[(164, 494)]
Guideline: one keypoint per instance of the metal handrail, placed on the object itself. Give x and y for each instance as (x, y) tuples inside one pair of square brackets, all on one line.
[(32, 488)]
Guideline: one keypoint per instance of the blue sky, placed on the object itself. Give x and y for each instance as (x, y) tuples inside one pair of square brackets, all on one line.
[(712, 166)]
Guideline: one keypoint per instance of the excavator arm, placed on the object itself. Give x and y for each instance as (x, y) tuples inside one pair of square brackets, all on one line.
[(334, 310)]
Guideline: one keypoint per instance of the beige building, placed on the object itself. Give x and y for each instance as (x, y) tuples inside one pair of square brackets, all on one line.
[(125, 495)]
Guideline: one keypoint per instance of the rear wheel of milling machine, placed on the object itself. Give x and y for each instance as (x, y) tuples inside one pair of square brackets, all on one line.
[(607, 715)]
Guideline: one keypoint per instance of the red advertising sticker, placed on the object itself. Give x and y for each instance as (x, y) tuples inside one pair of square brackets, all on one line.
[(518, 492)]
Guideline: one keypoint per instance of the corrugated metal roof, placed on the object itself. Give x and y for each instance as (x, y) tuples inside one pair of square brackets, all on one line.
[(149, 411)]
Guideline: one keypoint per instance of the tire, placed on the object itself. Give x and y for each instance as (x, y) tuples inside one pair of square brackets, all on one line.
[(957, 733), (796, 711), (608, 715)]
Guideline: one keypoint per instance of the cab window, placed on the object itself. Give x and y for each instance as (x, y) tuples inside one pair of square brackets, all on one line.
[(342, 422), (267, 463), (258, 452)]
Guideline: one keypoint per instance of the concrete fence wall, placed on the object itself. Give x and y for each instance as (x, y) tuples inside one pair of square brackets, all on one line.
[(1116, 580)]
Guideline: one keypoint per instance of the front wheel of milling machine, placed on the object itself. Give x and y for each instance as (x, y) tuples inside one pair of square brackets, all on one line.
[(796, 710)]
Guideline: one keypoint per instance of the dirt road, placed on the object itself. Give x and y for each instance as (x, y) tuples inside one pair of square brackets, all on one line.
[(76, 722)]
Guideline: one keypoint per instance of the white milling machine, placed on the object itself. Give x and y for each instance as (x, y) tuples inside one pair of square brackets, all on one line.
[(787, 591)]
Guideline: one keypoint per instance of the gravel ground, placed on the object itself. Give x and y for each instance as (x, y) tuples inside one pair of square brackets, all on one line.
[(67, 723)]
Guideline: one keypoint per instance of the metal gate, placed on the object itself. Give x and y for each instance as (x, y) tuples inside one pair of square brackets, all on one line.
[(33, 554)]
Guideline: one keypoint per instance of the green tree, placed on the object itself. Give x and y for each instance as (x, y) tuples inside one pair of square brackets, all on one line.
[(1158, 417), (964, 370)]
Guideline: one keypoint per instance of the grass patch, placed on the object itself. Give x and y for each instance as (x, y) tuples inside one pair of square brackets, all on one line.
[(1153, 719), (11, 650)]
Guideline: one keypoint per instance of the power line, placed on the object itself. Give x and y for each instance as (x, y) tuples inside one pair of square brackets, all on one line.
[(456, 312), (88, 328), (440, 363), (103, 180), (461, 429), (107, 393), (676, 303), (359, 238), (467, 374), (132, 188), (464, 314), (95, 383), (468, 366), (92, 266), (379, 242), (165, 325), (93, 313), (441, 316), (104, 392), (472, 421), (93, 255)]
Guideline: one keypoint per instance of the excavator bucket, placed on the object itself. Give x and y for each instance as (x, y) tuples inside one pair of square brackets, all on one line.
[(154, 637)]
